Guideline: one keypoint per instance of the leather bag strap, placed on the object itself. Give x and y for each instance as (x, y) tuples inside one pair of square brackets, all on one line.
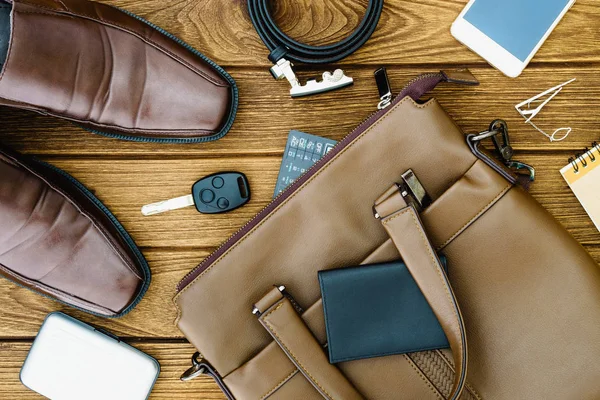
[(403, 224), (280, 318)]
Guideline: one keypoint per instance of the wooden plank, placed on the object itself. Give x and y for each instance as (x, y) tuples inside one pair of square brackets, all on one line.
[(267, 113), (173, 359), (23, 311), (413, 37), (410, 32), (175, 242), (125, 185), (552, 192)]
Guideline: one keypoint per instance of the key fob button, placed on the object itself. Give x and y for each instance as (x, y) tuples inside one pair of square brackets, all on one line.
[(207, 196), (218, 182), (223, 203), (221, 192)]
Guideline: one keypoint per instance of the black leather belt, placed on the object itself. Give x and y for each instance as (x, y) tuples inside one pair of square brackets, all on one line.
[(285, 50)]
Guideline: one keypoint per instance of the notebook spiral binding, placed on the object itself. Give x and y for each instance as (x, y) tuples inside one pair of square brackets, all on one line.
[(580, 158)]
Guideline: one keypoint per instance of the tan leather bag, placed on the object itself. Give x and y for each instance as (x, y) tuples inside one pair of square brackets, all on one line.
[(523, 292)]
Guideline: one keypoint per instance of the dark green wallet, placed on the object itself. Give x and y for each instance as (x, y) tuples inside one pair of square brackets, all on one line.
[(377, 310)]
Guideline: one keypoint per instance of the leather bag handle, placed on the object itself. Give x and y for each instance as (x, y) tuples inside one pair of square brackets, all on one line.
[(403, 224), (277, 313), (279, 316)]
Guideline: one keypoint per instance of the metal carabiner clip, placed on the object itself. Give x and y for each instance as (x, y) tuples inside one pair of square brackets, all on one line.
[(522, 169), (504, 148), (498, 132), (195, 370)]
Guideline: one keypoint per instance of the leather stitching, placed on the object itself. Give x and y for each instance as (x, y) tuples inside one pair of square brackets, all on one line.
[(312, 178), (300, 365), (472, 390), (434, 264), (423, 377), (128, 30), (134, 130), (451, 366), (37, 12), (426, 242), (484, 209), (97, 124), (280, 384), (44, 111), (92, 219), (59, 294)]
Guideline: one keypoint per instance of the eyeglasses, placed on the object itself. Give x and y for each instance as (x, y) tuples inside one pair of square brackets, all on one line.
[(529, 113)]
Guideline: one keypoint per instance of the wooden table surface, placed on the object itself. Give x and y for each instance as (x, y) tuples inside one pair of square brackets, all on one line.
[(413, 36)]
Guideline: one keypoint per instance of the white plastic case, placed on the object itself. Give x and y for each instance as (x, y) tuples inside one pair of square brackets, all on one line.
[(70, 360)]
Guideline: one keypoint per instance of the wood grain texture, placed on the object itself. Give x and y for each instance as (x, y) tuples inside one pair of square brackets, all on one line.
[(413, 37), (173, 247), (410, 31), (22, 311), (267, 113), (124, 185)]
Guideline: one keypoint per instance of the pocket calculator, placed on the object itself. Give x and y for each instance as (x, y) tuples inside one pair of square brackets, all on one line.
[(301, 152)]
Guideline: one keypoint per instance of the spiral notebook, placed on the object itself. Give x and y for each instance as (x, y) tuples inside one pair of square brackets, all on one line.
[(583, 176)]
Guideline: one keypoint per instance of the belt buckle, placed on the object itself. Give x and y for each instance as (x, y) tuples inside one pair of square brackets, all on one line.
[(337, 80)]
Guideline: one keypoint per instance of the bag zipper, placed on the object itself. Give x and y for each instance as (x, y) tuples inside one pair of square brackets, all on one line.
[(384, 88), (291, 189)]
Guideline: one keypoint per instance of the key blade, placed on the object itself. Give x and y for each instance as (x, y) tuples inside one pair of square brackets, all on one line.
[(168, 205)]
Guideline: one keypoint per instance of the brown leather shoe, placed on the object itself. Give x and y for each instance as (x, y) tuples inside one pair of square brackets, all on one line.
[(110, 72), (58, 239)]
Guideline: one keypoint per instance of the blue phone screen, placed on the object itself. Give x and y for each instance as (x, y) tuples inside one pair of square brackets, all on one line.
[(516, 25)]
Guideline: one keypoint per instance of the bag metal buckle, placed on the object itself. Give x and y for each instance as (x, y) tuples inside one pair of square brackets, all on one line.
[(498, 132), (503, 147), (195, 370), (337, 80), (412, 191), (522, 169)]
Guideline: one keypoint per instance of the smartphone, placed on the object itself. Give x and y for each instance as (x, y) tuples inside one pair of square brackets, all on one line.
[(508, 33), (70, 360)]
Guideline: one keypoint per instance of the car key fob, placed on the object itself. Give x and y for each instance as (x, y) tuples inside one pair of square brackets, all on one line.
[(221, 192)]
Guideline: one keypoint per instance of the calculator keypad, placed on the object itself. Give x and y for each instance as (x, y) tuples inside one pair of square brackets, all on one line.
[(301, 152)]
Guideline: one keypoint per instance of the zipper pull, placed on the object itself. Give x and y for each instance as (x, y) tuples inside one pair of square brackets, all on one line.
[(384, 88)]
